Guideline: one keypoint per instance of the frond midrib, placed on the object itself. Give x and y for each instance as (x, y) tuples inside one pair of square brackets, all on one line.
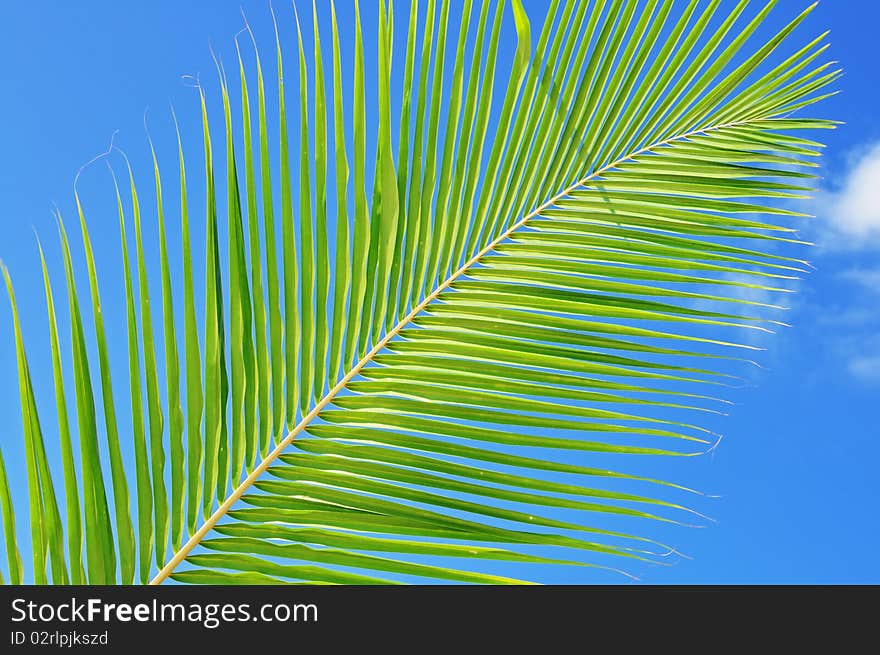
[(239, 491)]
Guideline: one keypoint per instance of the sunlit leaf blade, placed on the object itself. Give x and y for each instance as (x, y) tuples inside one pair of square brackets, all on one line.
[(358, 542), (358, 308), (46, 529), (292, 328), (143, 479), (418, 426), (477, 109), (192, 357), (342, 266), (202, 576), (275, 385), (216, 382), (252, 567), (414, 228), (346, 558), (395, 294), (244, 382), (73, 519), (322, 250), (100, 551), (155, 415), (7, 511), (261, 431), (172, 371), (429, 176), (307, 240), (385, 190), (124, 529)]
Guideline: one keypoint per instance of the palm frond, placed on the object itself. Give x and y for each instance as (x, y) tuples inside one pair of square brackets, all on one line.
[(551, 264)]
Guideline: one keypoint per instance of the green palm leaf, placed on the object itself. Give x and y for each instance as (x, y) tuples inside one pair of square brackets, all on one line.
[(550, 265)]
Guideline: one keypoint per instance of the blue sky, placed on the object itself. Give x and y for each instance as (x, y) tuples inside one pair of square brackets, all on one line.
[(797, 471)]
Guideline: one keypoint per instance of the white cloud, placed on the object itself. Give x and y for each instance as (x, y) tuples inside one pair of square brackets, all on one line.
[(865, 368), (853, 211), (847, 232), (839, 317), (867, 277)]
